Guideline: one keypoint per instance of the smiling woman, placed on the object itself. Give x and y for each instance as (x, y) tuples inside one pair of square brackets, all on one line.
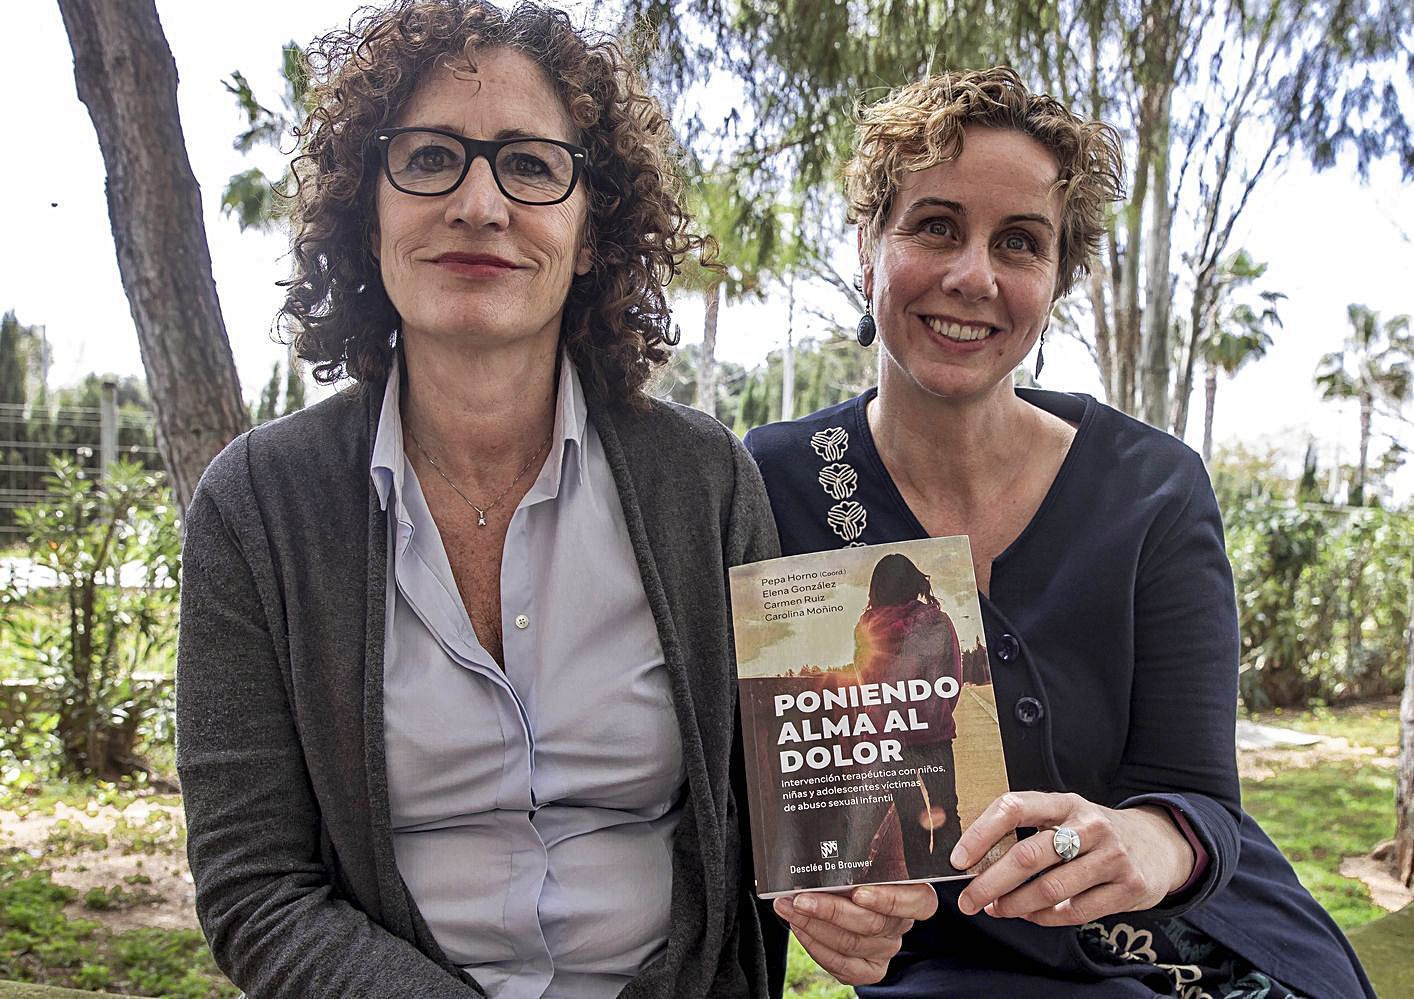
[(1106, 595), (455, 681)]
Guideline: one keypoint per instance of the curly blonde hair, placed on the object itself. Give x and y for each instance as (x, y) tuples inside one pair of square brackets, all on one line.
[(616, 318), (921, 125)]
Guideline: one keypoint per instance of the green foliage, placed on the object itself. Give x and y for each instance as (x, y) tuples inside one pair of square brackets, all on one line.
[(36, 940), (118, 897), (157, 833), (1208, 98), (15, 343), (113, 545), (1322, 591), (67, 838), (24, 794), (254, 199), (827, 371), (1239, 331), (271, 404)]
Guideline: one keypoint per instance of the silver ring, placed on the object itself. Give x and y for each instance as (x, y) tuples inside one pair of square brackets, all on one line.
[(1066, 842)]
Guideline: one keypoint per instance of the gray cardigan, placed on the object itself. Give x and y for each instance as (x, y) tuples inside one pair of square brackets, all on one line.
[(279, 704)]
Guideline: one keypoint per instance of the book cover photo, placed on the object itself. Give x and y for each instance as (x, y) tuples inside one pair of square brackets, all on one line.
[(869, 726)]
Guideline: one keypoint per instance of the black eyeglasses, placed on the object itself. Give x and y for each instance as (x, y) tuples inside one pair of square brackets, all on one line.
[(430, 162)]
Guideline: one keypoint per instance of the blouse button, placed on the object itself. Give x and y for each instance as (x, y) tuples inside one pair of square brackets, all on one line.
[(522, 622), (1029, 711), (1008, 648)]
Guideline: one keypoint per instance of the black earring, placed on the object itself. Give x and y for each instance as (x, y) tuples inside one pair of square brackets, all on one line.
[(865, 332), (1040, 354)]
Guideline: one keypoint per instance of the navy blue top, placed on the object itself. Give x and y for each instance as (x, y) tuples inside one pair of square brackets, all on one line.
[(1112, 631)]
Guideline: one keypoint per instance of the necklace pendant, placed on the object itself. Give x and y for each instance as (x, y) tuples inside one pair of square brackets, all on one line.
[(480, 517)]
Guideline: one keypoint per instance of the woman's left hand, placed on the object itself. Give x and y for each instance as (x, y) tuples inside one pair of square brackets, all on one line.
[(853, 936), (1129, 860)]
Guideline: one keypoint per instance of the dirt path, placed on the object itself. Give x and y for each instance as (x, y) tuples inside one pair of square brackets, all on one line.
[(135, 855), (1259, 764)]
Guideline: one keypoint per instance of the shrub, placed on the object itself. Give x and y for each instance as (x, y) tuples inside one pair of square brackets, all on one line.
[(1322, 590), (113, 545)]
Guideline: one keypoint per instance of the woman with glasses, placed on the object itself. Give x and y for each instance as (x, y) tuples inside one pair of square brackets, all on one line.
[(456, 691)]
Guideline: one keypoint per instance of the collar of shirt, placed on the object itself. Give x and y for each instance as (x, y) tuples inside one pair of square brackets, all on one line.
[(387, 466)]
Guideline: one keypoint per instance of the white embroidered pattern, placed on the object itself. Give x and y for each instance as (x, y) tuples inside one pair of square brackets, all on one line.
[(848, 519), (831, 443), (1138, 945), (840, 481)]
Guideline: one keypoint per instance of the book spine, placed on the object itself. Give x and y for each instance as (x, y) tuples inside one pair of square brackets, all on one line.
[(755, 789)]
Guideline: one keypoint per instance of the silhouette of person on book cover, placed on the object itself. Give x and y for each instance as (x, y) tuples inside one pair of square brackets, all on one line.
[(904, 634)]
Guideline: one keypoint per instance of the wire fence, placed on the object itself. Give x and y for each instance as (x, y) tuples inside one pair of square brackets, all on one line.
[(30, 436)]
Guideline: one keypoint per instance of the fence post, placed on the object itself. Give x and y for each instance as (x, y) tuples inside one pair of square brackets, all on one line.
[(108, 427)]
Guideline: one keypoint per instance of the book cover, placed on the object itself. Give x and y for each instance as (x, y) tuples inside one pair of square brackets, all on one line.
[(869, 726)]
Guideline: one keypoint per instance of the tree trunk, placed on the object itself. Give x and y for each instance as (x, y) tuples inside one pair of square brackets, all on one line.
[(1404, 788), (1128, 314), (707, 362), (1198, 332), (788, 359), (128, 80), (1210, 393), (1367, 406), (1104, 336), (1159, 286)]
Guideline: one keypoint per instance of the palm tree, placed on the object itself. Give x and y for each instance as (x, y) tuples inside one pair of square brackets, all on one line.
[(262, 204), (256, 201), (1238, 331), (1376, 364)]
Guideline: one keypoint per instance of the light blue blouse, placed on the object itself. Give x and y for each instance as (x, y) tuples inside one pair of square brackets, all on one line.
[(533, 810)]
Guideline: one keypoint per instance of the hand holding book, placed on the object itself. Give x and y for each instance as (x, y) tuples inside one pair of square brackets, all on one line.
[(854, 936), (1129, 859)]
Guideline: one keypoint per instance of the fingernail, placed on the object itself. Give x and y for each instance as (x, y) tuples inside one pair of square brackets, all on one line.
[(784, 907), (965, 906), (865, 896), (957, 858), (806, 904)]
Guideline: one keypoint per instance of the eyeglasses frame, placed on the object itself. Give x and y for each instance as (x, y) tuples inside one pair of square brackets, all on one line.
[(475, 149)]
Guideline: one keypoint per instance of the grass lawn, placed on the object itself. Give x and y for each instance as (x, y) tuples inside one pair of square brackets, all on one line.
[(1298, 808), (56, 935), (1318, 808)]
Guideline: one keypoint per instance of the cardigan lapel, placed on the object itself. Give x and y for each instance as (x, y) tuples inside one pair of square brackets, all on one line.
[(617, 428)]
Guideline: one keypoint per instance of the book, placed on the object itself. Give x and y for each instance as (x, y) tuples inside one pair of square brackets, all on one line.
[(868, 722)]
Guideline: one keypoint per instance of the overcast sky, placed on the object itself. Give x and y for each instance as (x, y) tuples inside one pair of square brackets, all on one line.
[(1329, 240)]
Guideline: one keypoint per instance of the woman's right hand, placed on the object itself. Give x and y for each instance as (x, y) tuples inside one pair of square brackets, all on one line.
[(854, 936), (1129, 860)]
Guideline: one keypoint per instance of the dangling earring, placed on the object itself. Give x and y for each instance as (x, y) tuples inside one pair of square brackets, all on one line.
[(1040, 355), (865, 332)]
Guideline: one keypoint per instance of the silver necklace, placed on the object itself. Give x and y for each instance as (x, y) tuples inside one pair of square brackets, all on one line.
[(481, 511)]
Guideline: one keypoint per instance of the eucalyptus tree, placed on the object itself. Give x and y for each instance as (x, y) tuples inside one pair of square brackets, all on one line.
[(127, 79), (1375, 365), (1210, 96), (1237, 332), (1404, 787)]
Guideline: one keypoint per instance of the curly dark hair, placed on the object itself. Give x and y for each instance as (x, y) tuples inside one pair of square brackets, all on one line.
[(616, 318)]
